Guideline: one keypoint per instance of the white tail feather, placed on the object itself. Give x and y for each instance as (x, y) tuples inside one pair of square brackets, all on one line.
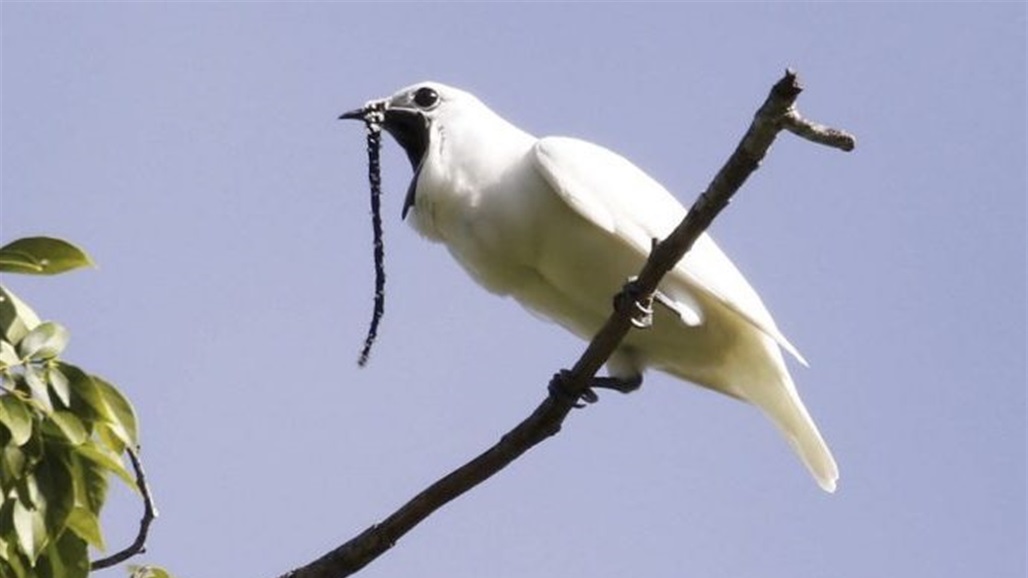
[(758, 375), (785, 408), (804, 437)]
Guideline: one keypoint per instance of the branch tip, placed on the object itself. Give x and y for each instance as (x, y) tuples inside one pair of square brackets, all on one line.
[(138, 546)]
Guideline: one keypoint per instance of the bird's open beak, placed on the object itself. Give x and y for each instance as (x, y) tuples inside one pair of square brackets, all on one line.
[(355, 114), (408, 126), (362, 112)]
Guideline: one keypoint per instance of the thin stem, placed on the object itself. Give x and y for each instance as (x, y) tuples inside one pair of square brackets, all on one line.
[(138, 546)]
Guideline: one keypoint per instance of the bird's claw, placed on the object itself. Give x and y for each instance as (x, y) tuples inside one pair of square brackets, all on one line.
[(558, 387), (641, 307), (642, 316), (618, 384)]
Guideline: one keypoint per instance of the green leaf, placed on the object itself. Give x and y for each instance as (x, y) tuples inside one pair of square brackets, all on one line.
[(12, 467), (111, 407), (147, 571), (90, 483), (36, 381), (33, 448), (8, 355), (59, 384), (45, 341), (104, 457), (42, 256), (30, 526), (87, 525), (105, 434), (69, 427), (66, 558), (18, 262), (16, 318), (7, 537), (118, 412), (10, 560), (16, 417), (54, 480), (81, 387)]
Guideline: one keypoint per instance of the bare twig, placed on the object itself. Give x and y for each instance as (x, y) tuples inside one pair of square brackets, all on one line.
[(776, 114), (149, 514), (819, 133)]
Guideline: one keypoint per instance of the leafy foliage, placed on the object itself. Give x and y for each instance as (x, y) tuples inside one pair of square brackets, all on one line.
[(42, 256), (147, 572), (63, 432)]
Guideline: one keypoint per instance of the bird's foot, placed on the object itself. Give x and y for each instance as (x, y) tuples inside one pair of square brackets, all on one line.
[(639, 306), (558, 387), (620, 384)]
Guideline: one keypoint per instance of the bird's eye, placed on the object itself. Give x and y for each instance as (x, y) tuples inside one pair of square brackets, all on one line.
[(426, 97)]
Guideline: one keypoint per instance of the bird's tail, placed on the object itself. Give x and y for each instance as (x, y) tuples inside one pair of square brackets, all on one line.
[(784, 407)]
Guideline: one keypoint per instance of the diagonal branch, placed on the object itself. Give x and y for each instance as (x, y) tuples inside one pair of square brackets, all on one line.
[(149, 514), (777, 113)]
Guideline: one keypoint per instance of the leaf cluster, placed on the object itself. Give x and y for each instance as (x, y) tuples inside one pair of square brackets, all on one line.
[(63, 431)]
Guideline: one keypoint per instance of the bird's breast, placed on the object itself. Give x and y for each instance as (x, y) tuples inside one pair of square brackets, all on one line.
[(492, 216)]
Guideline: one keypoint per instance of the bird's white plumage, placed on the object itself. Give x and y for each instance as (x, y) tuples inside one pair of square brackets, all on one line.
[(560, 224), (624, 201)]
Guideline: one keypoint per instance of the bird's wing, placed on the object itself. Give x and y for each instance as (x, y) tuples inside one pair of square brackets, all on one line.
[(621, 199)]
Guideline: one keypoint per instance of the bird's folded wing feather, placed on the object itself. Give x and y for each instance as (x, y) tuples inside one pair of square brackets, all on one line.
[(621, 199)]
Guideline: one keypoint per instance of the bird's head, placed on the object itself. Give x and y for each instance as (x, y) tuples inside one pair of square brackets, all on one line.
[(414, 113)]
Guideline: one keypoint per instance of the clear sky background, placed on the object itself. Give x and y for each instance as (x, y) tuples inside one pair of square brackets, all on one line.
[(194, 150)]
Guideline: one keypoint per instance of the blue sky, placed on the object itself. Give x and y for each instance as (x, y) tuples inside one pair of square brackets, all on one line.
[(193, 150)]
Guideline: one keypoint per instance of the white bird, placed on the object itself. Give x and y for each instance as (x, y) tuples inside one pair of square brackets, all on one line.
[(560, 224)]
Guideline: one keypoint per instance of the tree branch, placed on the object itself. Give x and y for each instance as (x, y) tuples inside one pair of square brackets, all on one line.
[(777, 113), (149, 514)]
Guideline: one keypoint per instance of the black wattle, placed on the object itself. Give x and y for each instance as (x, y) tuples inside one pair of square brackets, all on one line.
[(408, 201)]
